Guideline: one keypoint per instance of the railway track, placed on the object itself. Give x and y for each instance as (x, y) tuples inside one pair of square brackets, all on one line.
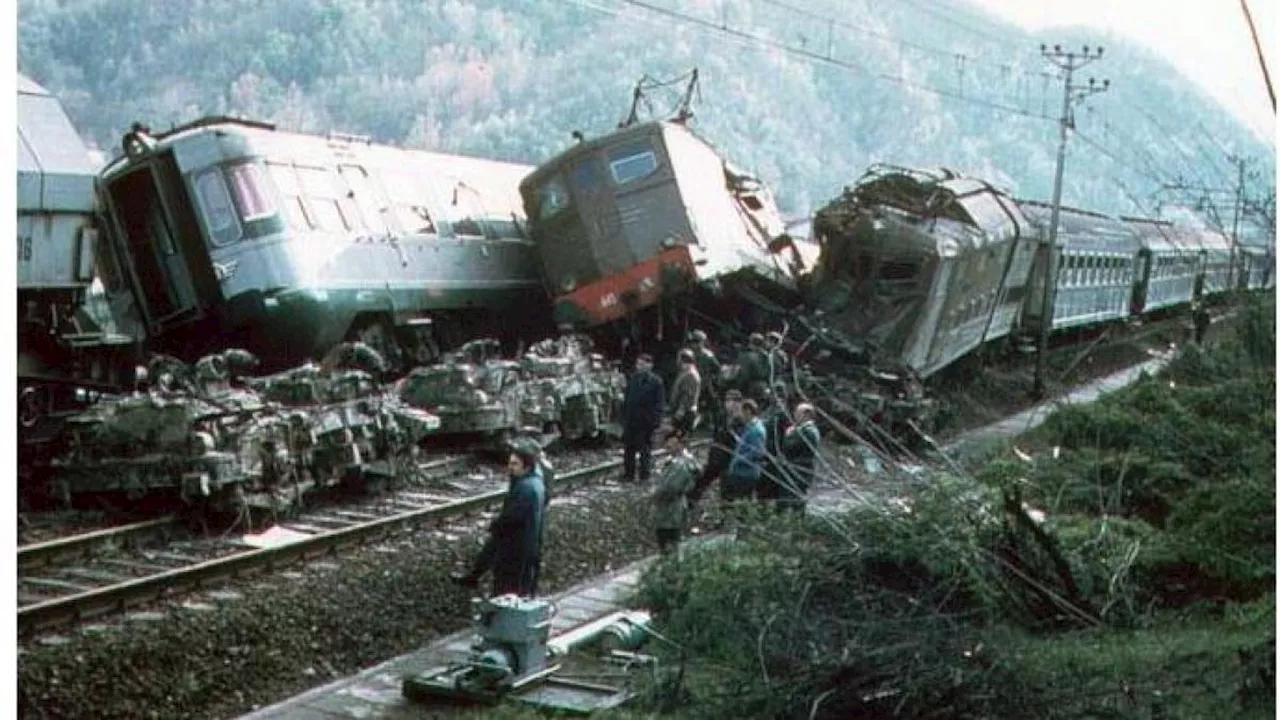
[(151, 575)]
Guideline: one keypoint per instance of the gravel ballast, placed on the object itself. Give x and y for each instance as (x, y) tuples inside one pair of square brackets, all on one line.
[(288, 632)]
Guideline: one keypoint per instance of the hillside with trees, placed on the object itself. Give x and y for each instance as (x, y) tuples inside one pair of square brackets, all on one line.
[(808, 97)]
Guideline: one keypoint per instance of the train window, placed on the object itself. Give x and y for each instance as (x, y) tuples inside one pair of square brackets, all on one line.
[(409, 195), (369, 202), (586, 177), (295, 209), (249, 192), (323, 195), (552, 198), (215, 205), (632, 162), (898, 271)]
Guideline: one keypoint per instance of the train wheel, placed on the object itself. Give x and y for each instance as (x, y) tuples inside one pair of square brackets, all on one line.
[(34, 403)]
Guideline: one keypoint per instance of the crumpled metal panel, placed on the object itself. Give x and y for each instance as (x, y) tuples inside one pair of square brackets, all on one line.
[(890, 244)]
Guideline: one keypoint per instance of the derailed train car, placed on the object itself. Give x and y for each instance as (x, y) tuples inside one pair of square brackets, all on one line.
[(644, 214), (906, 271), (62, 353), (225, 232), (919, 268)]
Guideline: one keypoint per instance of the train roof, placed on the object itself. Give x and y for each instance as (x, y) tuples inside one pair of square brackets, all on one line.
[(55, 171), (586, 147), (1162, 235), (1083, 228), (497, 181)]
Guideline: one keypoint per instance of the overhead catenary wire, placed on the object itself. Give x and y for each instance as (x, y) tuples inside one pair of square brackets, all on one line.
[(804, 53)]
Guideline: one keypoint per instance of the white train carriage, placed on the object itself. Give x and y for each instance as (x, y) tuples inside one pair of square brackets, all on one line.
[(1168, 266), (1217, 261), (1097, 257)]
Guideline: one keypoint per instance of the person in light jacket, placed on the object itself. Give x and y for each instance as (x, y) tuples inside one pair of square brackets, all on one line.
[(685, 391)]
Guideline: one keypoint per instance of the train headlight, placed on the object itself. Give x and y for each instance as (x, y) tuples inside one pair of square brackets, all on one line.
[(669, 242), (569, 284)]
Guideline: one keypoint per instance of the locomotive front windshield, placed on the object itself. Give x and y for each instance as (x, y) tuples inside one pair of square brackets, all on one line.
[(235, 203)]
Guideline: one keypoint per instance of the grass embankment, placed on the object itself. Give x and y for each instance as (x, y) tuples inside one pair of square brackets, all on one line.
[(1129, 574)]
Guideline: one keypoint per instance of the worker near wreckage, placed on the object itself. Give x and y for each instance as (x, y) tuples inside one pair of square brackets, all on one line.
[(799, 452), (743, 476), (685, 392), (513, 549), (710, 371), (642, 409), (675, 480)]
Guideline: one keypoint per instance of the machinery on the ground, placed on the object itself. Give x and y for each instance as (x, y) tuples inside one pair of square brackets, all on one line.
[(559, 387), (511, 659), (226, 443)]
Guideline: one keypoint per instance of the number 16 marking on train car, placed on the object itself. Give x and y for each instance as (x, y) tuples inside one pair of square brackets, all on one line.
[(24, 248)]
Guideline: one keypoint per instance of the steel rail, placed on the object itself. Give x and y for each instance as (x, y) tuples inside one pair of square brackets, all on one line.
[(105, 600), (41, 554)]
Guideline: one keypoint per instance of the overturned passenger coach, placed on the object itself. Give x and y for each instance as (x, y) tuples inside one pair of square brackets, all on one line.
[(645, 213), (230, 232)]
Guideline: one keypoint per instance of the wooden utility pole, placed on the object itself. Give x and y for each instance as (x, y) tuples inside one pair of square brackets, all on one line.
[(1069, 62)]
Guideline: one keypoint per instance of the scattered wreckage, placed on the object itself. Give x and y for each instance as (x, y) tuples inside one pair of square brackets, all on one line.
[(559, 388), (214, 437), (217, 440)]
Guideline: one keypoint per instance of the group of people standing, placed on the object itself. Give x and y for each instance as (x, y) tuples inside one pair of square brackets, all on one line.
[(763, 449)]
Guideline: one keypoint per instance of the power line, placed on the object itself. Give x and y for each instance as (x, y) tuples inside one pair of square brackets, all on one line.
[(805, 53)]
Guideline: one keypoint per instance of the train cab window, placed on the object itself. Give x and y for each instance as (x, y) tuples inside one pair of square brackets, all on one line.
[(552, 198), (586, 175), (295, 208), (633, 161), (216, 207), (324, 198), (249, 192)]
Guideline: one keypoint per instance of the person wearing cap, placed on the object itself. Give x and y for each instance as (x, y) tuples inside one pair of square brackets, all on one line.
[(642, 411), (710, 371), (684, 394), (513, 549), (675, 480), (753, 369), (799, 452), (723, 442)]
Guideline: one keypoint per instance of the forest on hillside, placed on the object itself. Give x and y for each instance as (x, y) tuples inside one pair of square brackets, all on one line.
[(807, 97)]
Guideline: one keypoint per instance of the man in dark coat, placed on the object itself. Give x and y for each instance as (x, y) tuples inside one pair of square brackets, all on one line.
[(753, 370), (799, 450), (642, 409), (513, 549)]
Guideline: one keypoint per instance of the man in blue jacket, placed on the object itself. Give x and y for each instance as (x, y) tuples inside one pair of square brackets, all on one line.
[(513, 549), (642, 409), (743, 475)]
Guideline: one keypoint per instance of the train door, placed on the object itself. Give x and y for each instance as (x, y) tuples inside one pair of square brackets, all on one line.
[(153, 248)]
